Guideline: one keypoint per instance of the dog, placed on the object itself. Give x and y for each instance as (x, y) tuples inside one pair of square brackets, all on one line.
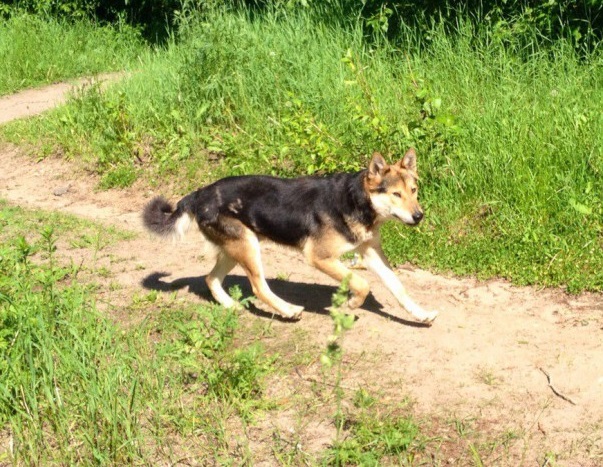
[(322, 216)]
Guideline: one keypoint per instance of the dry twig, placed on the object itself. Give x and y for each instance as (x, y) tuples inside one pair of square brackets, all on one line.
[(557, 393)]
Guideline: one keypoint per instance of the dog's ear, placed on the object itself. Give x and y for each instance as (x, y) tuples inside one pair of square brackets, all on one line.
[(409, 161), (377, 166)]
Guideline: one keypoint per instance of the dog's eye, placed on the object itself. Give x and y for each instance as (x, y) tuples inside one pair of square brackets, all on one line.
[(414, 189), (397, 194)]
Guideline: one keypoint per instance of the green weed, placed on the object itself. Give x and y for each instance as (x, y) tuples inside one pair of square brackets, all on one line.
[(333, 354), (375, 440)]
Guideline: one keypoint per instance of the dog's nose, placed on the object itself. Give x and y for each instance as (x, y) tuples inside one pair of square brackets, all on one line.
[(417, 216)]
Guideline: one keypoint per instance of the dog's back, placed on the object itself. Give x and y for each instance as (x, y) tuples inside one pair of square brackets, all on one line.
[(286, 211)]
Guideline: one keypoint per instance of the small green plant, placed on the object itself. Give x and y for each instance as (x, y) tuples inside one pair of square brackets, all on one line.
[(363, 399), (372, 440), (342, 322), (550, 458), (475, 455), (463, 427), (236, 294), (121, 176), (487, 376), (333, 354), (283, 276)]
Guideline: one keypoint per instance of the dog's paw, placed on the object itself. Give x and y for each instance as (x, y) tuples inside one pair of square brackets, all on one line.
[(428, 317), (235, 306), (293, 312)]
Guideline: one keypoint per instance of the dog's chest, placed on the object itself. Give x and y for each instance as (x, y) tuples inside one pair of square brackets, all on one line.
[(360, 232)]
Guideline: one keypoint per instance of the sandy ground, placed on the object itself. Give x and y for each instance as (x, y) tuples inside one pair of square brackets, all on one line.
[(484, 361)]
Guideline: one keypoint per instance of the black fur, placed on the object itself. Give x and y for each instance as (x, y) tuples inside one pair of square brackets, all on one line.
[(159, 216), (287, 211)]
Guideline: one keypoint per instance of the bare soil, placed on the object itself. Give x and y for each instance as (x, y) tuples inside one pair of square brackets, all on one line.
[(482, 366)]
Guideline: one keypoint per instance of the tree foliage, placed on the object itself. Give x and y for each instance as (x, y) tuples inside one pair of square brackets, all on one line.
[(579, 20), (154, 17)]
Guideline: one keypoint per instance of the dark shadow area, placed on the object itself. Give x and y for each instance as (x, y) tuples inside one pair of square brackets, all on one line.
[(315, 298)]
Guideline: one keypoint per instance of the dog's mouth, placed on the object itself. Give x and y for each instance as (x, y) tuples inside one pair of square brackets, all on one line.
[(410, 222)]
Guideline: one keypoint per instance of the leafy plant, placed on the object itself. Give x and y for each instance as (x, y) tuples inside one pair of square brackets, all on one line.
[(371, 440), (312, 148), (333, 354)]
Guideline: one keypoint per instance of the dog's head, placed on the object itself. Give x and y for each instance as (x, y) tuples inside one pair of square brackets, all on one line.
[(392, 189)]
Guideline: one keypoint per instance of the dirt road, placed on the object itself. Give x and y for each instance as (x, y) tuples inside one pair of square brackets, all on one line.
[(484, 363)]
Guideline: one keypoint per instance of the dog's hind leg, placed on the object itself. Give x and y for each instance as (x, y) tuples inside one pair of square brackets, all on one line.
[(224, 264), (246, 252)]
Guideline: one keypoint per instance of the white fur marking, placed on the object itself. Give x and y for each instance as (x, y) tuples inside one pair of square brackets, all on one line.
[(224, 265), (383, 207), (235, 206), (182, 225), (374, 262)]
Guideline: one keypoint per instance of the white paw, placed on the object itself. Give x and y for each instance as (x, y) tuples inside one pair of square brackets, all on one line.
[(234, 305), (293, 312), (428, 317)]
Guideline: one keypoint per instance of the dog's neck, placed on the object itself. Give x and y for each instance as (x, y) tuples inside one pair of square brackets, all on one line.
[(360, 202)]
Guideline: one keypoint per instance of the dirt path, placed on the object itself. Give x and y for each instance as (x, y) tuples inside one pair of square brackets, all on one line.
[(481, 365), (35, 101)]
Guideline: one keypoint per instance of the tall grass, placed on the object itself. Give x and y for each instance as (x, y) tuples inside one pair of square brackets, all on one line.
[(36, 50), (77, 388), (519, 193), (508, 133)]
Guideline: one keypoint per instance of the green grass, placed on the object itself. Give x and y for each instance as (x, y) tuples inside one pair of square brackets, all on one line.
[(77, 232), (509, 134), (75, 387), (35, 50), (375, 439)]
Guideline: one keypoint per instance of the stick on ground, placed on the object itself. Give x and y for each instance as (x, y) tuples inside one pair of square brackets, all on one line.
[(557, 393)]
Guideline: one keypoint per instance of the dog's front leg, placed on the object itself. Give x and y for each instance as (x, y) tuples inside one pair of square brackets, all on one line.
[(375, 260)]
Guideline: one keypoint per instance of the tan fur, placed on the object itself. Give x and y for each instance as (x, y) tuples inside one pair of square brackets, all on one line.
[(324, 252), (245, 250)]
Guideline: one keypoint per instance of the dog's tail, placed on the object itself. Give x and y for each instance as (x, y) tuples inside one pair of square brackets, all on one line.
[(160, 217)]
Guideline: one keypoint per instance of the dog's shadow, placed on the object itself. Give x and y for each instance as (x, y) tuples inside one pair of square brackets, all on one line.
[(315, 298)]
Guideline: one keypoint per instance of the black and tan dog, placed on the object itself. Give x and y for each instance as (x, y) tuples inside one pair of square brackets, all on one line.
[(324, 217)]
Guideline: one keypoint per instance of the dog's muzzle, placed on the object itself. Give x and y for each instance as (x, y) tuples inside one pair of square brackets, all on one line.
[(417, 216)]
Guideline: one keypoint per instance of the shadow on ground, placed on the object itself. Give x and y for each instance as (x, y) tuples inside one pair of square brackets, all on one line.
[(315, 298)]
